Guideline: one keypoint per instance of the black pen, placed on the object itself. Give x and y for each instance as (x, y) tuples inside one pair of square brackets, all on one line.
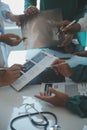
[(24, 38)]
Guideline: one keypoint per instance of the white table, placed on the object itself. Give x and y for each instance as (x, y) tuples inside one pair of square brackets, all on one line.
[(9, 99)]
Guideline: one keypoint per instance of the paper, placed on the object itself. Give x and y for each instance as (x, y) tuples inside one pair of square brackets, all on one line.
[(71, 89), (32, 68), (42, 30)]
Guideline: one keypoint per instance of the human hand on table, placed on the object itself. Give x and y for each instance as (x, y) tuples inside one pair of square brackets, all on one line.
[(9, 75), (59, 98)]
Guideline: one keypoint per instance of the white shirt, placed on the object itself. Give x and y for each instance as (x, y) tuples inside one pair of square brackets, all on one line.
[(83, 23), (4, 8)]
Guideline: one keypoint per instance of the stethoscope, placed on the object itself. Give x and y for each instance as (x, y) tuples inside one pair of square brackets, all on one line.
[(44, 123)]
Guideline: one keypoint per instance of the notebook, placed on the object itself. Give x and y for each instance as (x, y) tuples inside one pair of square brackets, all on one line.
[(33, 67), (69, 88)]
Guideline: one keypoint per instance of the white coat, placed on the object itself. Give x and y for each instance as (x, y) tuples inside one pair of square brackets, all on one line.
[(4, 8), (83, 23)]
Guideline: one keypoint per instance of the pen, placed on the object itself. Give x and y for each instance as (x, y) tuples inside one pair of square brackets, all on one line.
[(70, 23), (51, 66), (3, 69), (24, 38)]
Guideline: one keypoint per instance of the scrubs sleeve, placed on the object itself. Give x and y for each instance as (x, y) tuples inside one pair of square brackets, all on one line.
[(78, 105), (79, 73)]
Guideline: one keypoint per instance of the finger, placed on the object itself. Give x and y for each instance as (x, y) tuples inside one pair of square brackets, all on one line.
[(56, 92), (55, 70), (52, 90), (15, 67), (16, 75), (41, 93), (58, 61), (40, 97), (65, 22), (13, 36), (15, 42), (67, 40)]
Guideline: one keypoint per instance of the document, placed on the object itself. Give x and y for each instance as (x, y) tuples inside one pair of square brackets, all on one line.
[(69, 88), (32, 68)]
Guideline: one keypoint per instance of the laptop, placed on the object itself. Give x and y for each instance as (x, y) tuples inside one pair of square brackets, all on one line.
[(33, 67), (71, 89)]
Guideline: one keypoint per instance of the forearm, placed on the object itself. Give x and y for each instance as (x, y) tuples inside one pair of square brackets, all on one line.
[(78, 105), (79, 73), (12, 17), (1, 39), (2, 81), (28, 3)]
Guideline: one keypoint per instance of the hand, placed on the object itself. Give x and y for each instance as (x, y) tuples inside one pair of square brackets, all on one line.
[(81, 53), (8, 76), (31, 10), (71, 29), (10, 39), (14, 18), (59, 98), (63, 69), (67, 41)]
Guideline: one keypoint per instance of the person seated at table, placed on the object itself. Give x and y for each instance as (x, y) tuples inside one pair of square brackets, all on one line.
[(77, 104), (7, 16), (9, 75)]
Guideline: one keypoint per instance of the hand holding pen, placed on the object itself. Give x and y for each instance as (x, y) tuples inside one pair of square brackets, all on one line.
[(70, 27), (61, 66), (10, 39)]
